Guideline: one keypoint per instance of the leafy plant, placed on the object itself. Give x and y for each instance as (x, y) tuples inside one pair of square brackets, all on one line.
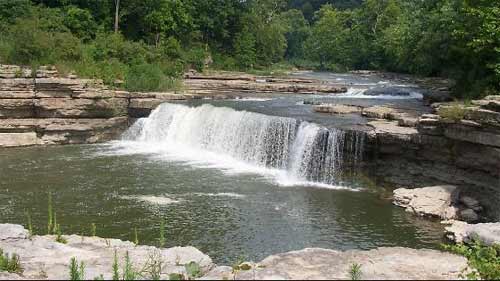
[(162, 234), (136, 237), (176, 276), (128, 270), (59, 237), (93, 229), (10, 263), (29, 222), (50, 223), (355, 271), (116, 272), (484, 259), (76, 271), (193, 270)]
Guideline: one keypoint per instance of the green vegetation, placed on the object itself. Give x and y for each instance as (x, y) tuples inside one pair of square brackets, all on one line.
[(93, 229), (128, 271), (193, 270), (136, 236), (152, 42), (116, 271), (485, 260), (76, 271), (455, 112), (10, 263), (29, 221), (355, 271), (162, 239)]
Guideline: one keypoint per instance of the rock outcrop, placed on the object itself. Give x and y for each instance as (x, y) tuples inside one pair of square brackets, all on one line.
[(234, 84), (41, 257), (462, 232), (463, 151), (442, 201), (433, 201), (47, 109)]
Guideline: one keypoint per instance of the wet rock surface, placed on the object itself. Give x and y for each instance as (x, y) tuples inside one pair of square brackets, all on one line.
[(42, 257)]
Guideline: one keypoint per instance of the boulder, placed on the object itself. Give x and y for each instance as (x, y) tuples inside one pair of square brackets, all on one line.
[(462, 232), (433, 201), (469, 215), (379, 112)]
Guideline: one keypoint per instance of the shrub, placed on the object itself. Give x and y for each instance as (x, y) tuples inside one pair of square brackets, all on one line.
[(453, 112), (10, 263), (484, 259), (355, 271), (149, 77), (195, 58), (76, 271)]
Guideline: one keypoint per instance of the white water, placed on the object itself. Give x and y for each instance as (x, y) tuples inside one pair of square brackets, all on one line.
[(284, 150), (359, 93)]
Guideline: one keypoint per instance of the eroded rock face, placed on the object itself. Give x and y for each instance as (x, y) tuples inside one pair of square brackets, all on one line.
[(433, 201)]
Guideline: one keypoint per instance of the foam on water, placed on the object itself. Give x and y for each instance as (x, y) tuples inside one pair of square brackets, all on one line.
[(359, 93), (283, 150)]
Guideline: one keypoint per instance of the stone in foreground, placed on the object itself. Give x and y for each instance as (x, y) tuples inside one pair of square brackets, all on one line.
[(382, 263), (42, 257)]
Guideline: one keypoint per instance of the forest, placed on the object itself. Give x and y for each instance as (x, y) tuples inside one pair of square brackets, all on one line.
[(152, 42)]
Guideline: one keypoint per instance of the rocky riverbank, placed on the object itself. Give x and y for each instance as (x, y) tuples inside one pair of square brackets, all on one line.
[(41, 257), (46, 108)]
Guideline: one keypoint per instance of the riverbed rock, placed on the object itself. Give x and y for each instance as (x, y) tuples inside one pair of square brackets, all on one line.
[(388, 91), (433, 201), (337, 108), (381, 263), (462, 232)]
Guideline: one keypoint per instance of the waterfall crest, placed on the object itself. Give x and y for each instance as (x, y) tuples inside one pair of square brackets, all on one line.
[(300, 151)]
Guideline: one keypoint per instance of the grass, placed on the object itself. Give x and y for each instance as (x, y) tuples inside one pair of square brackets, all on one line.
[(128, 270), (10, 263), (76, 271), (116, 271), (355, 271), (29, 222), (136, 237), (485, 260), (162, 239), (93, 229), (453, 112)]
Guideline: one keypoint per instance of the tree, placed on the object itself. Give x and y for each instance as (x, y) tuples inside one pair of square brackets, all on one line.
[(244, 49)]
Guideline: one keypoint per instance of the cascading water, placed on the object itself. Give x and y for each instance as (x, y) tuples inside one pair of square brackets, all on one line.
[(300, 152)]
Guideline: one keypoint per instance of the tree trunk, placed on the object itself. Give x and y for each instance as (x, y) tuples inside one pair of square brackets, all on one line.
[(117, 14)]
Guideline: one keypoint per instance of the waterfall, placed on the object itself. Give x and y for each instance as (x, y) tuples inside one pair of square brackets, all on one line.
[(300, 151)]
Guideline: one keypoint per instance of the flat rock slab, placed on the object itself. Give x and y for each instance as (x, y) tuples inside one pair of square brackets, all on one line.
[(42, 257), (434, 201), (382, 263), (462, 232)]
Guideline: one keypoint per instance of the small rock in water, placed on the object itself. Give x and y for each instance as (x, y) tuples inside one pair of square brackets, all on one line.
[(469, 215)]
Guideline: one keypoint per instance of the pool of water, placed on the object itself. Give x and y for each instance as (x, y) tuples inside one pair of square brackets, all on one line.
[(224, 213)]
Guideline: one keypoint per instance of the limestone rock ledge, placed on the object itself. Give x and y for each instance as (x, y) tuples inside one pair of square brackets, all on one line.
[(462, 232), (43, 258), (442, 201)]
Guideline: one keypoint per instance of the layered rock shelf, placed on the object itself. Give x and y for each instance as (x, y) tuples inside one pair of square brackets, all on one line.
[(41, 257), (44, 108), (234, 84)]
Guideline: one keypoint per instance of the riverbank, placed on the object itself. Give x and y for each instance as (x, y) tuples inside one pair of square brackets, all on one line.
[(41, 257)]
